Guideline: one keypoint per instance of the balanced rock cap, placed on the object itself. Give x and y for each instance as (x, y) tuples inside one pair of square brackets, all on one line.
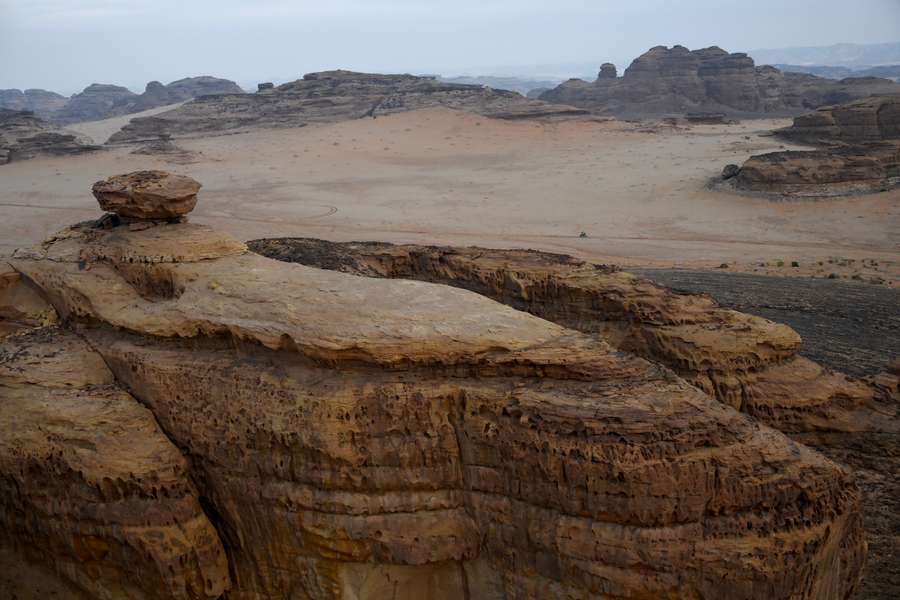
[(147, 195)]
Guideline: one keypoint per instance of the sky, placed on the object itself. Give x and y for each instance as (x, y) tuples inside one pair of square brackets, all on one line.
[(64, 45)]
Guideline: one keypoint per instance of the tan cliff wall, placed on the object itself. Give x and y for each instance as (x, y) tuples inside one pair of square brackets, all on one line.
[(347, 437)]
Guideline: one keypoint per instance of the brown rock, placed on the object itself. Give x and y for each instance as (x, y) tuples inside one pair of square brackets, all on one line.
[(24, 135), (333, 96), (735, 357), (366, 438), (91, 487), (860, 153), (677, 80), (147, 195)]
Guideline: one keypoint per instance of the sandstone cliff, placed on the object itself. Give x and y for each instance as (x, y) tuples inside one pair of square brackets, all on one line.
[(364, 438), (746, 362), (333, 96), (24, 135), (677, 80), (860, 152)]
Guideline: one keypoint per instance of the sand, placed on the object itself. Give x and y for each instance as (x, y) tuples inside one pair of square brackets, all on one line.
[(638, 193)]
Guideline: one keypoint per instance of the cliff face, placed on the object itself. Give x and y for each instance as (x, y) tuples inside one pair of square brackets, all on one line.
[(356, 437), (677, 80), (333, 96)]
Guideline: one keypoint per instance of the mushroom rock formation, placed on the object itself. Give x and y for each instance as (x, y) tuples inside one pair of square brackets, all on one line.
[(744, 361), (362, 438), (147, 195)]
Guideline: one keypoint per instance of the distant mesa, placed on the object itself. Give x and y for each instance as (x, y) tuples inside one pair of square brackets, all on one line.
[(24, 135), (666, 81), (333, 96), (859, 152)]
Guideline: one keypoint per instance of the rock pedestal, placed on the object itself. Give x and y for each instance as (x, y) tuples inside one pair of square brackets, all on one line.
[(147, 195)]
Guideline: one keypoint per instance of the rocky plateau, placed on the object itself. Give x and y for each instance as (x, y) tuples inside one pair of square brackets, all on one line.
[(206, 422)]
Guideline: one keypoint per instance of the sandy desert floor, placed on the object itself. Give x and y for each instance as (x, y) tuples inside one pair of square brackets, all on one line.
[(638, 192)]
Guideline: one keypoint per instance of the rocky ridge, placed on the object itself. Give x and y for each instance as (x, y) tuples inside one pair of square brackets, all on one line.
[(101, 101), (678, 80), (23, 135), (41, 102), (333, 96), (758, 370), (361, 437), (859, 152)]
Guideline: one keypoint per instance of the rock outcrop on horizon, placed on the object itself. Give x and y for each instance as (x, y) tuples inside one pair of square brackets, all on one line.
[(354, 437), (24, 135), (102, 101), (859, 153), (41, 102), (333, 96), (665, 81)]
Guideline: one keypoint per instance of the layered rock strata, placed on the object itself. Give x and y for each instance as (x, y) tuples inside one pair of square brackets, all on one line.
[(332, 96), (859, 153), (677, 80), (744, 361), (367, 438), (24, 135), (89, 484)]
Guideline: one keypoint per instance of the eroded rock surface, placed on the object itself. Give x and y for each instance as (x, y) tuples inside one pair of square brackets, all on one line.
[(332, 96), (147, 195), (90, 486), (860, 153), (24, 135), (366, 438), (677, 80), (747, 362)]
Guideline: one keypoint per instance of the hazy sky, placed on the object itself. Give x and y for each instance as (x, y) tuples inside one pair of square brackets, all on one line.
[(66, 44)]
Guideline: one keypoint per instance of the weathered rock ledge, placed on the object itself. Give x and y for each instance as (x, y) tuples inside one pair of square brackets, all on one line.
[(355, 437), (859, 152)]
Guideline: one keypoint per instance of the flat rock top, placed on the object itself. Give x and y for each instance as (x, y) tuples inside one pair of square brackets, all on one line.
[(147, 194)]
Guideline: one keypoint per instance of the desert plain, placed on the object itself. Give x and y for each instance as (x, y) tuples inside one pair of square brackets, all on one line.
[(636, 194)]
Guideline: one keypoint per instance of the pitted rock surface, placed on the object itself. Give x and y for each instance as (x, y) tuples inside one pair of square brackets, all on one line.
[(147, 195)]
